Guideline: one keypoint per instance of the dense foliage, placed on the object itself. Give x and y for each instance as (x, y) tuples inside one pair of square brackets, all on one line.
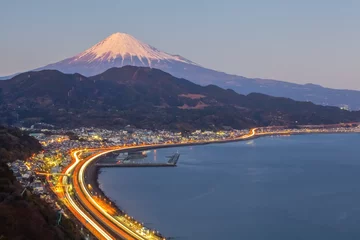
[(14, 144)]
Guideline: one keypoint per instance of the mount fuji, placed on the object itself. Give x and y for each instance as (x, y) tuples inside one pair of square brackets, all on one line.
[(118, 50), (121, 49)]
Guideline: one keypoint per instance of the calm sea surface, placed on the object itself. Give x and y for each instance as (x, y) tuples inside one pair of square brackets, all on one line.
[(281, 188)]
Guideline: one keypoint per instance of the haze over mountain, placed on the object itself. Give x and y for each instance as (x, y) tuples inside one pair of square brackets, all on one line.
[(148, 98), (120, 49)]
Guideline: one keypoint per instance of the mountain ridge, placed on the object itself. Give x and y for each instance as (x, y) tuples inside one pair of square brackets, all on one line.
[(121, 49), (148, 98)]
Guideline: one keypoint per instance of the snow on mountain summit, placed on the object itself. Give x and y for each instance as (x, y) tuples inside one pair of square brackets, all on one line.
[(124, 46), (121, 49), (118, 50)]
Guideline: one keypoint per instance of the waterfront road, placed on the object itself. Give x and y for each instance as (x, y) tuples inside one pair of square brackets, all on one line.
[(86, 209), (92, 206), (81, 213)]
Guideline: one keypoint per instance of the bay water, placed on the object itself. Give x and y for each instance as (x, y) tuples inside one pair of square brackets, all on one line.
[(281, 188)]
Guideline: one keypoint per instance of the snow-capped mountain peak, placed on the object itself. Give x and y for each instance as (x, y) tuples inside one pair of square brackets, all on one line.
[(120, 49), (122, 46)]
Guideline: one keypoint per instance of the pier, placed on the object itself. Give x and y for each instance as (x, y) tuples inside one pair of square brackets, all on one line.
[(170, 163)]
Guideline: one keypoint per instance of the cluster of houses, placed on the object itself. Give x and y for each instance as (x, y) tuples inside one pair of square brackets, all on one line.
[(29, 180)]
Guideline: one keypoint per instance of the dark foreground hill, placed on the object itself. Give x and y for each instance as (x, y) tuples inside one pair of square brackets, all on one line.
[(25, 216), (148, 98)]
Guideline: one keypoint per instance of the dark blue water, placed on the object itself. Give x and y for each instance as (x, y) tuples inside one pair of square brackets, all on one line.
[(281, 188)]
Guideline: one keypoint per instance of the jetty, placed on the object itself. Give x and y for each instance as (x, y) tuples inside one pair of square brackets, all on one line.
[(173, 159)]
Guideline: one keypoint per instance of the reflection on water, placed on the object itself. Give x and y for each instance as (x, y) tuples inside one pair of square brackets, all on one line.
[(298, 187)]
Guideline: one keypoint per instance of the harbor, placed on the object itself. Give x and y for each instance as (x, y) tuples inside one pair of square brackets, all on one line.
[(172, 162)]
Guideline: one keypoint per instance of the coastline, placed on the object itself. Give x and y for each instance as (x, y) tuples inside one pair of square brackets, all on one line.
[(92, 172), (92, 178)]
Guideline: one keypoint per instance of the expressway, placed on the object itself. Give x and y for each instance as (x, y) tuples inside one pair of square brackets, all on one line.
[(88, 211), (91, 205), (250, 135), (81, 214)]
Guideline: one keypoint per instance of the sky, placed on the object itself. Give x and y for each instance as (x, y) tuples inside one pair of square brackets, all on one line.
[(308, 41)]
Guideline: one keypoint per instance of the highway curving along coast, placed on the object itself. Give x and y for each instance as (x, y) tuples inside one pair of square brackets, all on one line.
[(100, 222), (105, 222)]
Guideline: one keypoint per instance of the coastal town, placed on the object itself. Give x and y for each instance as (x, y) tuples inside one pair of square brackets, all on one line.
[(179, 120), (44, 173)]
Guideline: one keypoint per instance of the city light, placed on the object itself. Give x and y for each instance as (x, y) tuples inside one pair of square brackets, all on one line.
[(63, 164)]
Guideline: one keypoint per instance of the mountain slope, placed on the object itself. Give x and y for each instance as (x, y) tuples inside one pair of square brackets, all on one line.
[(120, 49), (148, 98), (18, 207)]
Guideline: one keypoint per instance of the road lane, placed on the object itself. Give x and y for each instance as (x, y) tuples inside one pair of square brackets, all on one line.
[(89, 205), (101, 233), (78, 168)]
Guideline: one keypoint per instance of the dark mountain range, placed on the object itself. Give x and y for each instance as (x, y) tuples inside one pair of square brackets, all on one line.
[(148, 98), (122, 49)]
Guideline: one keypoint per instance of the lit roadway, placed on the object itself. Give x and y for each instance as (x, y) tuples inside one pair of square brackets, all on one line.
[(87, 210)]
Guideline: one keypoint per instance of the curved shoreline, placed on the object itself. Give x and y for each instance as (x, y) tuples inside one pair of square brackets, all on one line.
[(91, 173)]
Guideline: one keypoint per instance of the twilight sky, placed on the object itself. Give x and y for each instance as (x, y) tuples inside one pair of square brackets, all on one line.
[(315, 41)]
